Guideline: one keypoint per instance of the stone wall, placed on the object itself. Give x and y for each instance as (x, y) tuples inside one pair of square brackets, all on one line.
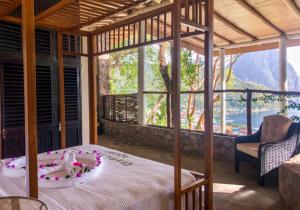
[(162, 137)]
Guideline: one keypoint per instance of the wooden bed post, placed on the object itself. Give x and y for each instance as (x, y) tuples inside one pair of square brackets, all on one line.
[(176, 102), (62, 114), (92, 92), (29, 63), (208, 104)]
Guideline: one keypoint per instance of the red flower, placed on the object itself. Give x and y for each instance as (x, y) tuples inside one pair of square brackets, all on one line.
[(77, 164)]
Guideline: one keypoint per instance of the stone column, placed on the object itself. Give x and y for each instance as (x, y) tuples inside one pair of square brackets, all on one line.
[(222, 87), (283, 82), (103, 82)]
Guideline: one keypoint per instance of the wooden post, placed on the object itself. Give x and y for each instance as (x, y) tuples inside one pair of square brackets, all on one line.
[(92, 93), (249, 112), (29, 63), (208, 104), (223, 94), (62, 114), (283, 83), (176, 102), (141, 69)]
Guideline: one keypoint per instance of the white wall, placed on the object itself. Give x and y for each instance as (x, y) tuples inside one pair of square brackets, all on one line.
[(85, 98)]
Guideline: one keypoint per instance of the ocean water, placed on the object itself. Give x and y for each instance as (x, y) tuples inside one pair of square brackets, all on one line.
[(239, 121)]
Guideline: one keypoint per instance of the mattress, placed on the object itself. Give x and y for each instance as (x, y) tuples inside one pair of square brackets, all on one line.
[(125, 182)]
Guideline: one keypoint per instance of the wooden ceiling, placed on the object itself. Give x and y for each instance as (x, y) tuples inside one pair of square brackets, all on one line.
[(236, 21)]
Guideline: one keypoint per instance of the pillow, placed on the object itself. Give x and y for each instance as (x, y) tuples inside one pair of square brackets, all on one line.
[(275, 128)]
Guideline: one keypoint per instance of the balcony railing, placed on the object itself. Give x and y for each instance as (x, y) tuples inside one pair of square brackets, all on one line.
[(243, 109)]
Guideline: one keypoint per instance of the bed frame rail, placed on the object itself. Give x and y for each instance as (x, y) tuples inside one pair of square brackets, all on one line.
[(192, 194)]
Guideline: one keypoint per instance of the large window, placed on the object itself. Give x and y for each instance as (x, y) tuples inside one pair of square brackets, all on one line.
[(247, 77), (123, 72)]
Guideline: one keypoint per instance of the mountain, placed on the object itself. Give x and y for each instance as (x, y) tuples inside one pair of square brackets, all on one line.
[(262, 68)]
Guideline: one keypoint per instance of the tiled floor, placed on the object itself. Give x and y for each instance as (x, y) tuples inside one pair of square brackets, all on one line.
[(231, 191)]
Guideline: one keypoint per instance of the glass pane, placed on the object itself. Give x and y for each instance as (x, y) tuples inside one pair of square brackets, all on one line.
[(236, 113), (153, 74), (263, 105), (156, 109), (123, 72), (192, 111)]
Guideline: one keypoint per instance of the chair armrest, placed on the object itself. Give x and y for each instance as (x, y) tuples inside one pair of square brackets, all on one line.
[(247, 139), (250, 138), (273, 154)]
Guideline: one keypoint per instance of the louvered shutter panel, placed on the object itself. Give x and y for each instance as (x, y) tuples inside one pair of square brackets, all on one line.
[(43, 42), (71, 94), (13, 95), (10, 37), (44, 94), (72, 103), (47, 131), (13, 110)]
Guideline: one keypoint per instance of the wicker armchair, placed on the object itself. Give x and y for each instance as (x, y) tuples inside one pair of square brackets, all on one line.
[(266, 156)]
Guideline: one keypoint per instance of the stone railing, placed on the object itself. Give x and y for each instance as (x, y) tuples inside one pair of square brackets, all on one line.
[(192, 141)]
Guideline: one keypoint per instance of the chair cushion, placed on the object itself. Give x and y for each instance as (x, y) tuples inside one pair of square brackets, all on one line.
[(249, 148), (275, 128)]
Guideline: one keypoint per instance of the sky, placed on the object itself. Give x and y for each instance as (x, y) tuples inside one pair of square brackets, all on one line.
[(293, 56)]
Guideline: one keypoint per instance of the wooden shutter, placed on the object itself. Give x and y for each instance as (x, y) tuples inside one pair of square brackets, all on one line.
[(72, 105), (10, 37), (43, 42), (13, 110)]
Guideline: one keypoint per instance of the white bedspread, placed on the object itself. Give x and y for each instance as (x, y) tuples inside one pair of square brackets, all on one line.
[(143, 185)]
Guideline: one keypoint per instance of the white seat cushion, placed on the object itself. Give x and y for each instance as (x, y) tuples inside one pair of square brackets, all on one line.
[(249, 148)]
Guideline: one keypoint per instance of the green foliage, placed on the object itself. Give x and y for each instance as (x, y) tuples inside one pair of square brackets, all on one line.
[(123, 72), (153, 79), (191, 69)]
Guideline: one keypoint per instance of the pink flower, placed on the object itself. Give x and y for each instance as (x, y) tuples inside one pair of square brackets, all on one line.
[(79, 152), (48, 152), (42, 166), (78, 175), (62, 157), (56, 178), (77, 164), (13, 166), (94, 151), (42, 176)]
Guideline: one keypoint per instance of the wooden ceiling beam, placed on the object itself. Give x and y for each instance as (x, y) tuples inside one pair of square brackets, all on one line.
[(224, 38), (44, 25), (292, 5), (11, 8), (133, 19), (233, 26), (95, 20), (256, 13), (60, 5)]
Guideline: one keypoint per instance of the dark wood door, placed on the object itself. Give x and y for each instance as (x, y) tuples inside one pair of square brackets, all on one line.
[(12, 90), (73, 106)]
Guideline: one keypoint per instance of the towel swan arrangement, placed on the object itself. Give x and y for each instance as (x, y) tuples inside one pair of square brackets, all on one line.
[(58, 169)]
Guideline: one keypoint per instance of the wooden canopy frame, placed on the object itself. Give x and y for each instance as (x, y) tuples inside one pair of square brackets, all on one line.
[(197, 24)]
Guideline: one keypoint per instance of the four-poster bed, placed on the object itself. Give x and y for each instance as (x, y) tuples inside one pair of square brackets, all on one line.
[(68, 17)]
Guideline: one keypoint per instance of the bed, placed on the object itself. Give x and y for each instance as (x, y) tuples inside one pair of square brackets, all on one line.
[(125, 182)]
